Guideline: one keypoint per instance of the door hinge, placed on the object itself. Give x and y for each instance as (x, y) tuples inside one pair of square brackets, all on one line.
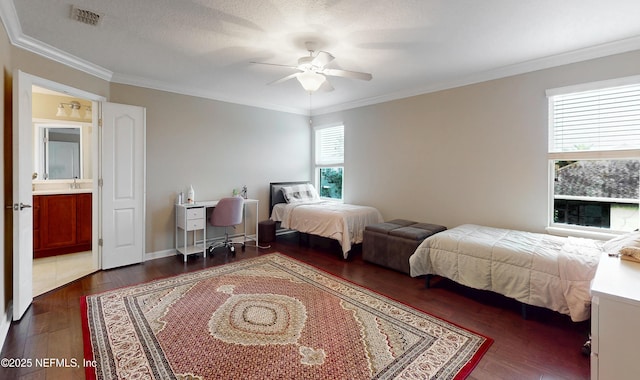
[(100, 242), (100, 122), (100, 182)]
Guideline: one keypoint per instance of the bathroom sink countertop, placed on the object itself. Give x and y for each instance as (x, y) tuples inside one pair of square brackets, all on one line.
[(61, 191)]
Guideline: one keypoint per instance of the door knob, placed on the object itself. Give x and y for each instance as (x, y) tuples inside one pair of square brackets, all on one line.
[(20, 206)]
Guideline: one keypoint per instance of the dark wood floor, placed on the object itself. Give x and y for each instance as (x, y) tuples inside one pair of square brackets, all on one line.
[(544, 346)]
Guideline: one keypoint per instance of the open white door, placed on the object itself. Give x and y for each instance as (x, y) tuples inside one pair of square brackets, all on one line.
[(22, 195), (22, 157), (123, 184)]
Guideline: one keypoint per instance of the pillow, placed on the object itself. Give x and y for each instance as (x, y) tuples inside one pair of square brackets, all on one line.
[(300, 193), (631, 239)]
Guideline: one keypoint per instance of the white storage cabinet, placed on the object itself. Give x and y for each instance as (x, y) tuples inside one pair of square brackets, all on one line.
[(615, 320)]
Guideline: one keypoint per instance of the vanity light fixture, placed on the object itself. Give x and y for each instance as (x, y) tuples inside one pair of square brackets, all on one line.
[(75, 107), (74, 111), (61, 111)]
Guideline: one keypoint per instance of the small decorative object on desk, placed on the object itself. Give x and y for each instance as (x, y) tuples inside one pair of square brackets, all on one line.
[(243, 193), (191, 196), (180, 199), (630, 253)]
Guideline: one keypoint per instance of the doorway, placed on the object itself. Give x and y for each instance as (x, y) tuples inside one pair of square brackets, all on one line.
[(117, 215), (63, 154)]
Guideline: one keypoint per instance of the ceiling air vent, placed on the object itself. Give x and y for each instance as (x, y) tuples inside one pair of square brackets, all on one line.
[(85, 16)]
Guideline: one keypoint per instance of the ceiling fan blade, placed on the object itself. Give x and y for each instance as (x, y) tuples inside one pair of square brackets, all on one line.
[(322, 58), (347, 74), (275, 64), (283, 79), (326, 86)]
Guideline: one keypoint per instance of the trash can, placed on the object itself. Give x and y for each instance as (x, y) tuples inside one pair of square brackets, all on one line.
[(267, 231)]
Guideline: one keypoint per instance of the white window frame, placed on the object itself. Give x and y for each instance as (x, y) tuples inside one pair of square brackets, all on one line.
[(317, 165), (576, 230)]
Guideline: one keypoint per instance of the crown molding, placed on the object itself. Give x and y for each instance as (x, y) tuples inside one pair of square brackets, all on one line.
[(599, 51), (10, 19), (163, 86)]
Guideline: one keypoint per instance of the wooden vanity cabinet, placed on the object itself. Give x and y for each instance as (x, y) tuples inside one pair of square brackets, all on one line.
[(83, 224), (36, 224), (62, 224)]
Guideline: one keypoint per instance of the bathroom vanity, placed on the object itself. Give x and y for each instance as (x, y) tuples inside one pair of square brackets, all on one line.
[(61, 222)]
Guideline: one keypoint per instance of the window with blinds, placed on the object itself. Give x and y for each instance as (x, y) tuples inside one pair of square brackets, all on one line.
[(329, 161), (594, 156), (330, 145), (597, 120)]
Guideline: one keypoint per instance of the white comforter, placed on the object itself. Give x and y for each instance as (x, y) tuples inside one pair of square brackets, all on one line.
[(537, 269), (339, 221)]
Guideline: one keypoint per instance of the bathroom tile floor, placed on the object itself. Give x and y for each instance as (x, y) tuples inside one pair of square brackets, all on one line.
[(55, 271)]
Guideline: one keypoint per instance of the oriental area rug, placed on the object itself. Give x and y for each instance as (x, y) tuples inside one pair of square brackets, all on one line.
[(269, 317)]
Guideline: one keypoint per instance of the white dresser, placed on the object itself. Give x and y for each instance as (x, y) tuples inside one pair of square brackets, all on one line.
[(615, 320)]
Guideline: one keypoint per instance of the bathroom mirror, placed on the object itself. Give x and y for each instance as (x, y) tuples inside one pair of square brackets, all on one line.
[(59, 151)]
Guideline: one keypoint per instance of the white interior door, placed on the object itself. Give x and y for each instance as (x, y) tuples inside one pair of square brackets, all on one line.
[(22, 195), (22, 164), (123, 190)]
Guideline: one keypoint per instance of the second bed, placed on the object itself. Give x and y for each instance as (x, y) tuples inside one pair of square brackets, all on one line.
[(536, 269)]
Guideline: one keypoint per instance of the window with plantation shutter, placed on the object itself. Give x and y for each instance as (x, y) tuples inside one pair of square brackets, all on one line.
[(330, 146), (594, 156), (329, 161)]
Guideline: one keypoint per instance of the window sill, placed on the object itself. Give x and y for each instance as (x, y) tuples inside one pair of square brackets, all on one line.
[(575, 232), (332, 200)]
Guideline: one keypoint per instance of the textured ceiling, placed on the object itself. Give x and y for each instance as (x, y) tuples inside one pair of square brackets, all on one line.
[(205, 47)]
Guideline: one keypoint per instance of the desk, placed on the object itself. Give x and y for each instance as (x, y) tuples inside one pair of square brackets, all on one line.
[(191, 221)]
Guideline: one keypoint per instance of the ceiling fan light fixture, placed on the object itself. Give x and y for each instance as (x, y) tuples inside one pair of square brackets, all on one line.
[(311, 81)]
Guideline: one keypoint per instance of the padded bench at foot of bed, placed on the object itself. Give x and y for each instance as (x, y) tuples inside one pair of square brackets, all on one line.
[(391, 243)]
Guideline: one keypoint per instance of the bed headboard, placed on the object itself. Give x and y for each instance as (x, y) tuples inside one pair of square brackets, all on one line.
[(275, 195)]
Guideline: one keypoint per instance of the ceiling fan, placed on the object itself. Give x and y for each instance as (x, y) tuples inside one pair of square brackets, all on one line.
[(312, 71)]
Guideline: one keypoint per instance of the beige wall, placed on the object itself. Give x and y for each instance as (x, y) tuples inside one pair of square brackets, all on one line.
[(215, 147), (474, 154)]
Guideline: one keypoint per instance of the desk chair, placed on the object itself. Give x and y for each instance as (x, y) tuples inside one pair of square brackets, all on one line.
[(227, 213)]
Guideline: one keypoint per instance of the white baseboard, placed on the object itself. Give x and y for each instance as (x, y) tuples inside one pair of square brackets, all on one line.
[(5, 323), (160, 254)]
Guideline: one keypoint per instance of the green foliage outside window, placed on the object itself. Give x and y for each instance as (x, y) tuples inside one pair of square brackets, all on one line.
[(331, 183)]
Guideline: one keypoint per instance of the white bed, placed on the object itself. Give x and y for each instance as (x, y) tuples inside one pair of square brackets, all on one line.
[(536, 269), (339, 221)]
